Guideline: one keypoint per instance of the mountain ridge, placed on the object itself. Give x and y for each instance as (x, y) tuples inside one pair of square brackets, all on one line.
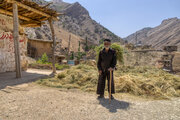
[(167, 33)]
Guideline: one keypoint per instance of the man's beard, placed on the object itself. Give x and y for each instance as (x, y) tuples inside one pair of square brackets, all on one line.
[(106, 47)]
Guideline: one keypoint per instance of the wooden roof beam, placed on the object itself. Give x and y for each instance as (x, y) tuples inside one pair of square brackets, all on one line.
[(31, 25), (31, 22), (2, 11), (30, 8), (9, 8), (11, 14), (29, 13)]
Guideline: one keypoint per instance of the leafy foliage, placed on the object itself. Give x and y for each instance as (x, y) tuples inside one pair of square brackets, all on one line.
[(80, 55), (44, 59), (62, 66), (119, 51)]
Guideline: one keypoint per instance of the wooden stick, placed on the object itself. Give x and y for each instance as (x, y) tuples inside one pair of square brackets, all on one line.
[(110, 86), (16, 40)]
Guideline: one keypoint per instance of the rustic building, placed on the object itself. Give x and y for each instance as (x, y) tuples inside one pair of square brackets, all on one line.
[(37, 47), (25, 13)]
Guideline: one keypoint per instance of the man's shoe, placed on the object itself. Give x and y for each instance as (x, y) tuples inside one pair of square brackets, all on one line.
[(100, 96), (112, 97)]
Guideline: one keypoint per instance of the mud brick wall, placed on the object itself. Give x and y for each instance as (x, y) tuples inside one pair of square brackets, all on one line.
[(150, 58), (176, 62), (7, 55)]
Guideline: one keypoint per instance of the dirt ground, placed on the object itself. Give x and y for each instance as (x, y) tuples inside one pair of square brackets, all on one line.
[(29, 101)]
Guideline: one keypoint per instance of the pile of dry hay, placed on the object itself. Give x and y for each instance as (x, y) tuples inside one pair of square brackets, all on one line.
[(140, 81), (81, 76), (147, 82)]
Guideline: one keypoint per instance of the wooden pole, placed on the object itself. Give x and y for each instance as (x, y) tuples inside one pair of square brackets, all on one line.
[(16, 40), (54, 44), (110, 86)]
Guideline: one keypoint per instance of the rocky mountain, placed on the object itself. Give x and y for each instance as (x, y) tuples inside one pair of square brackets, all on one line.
[(57, 1), (167, 33), (76, 21)]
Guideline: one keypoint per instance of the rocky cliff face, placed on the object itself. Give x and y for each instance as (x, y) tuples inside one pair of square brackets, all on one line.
[(167, 33), (78, 21)]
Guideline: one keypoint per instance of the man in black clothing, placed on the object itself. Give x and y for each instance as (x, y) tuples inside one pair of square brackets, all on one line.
[(106, 63)]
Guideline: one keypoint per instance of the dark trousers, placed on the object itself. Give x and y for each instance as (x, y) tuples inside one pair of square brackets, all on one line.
[(102, 83)]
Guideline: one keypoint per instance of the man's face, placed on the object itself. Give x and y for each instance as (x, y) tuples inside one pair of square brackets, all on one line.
[(107, 44)]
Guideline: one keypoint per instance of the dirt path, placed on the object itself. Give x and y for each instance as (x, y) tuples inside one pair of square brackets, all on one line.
[(34, 102)]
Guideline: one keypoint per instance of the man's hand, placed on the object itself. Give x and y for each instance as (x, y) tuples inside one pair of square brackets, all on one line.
[(100, 72), (110, 69)]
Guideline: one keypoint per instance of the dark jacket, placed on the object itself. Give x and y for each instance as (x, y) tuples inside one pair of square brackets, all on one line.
[(107, 59)]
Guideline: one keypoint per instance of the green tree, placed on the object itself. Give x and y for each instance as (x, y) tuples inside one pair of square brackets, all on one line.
[(72, 56), (86, 46), (79, 46), (80, 55)]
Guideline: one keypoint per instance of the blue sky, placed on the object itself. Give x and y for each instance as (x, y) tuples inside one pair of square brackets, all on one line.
[(124, 17)]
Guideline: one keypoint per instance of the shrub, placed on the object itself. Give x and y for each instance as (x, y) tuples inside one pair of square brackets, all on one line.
[(80, 55), (61, 76), (61, 67), (44, 59)]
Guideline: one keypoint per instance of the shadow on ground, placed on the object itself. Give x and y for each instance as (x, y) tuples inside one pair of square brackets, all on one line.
[(114, 105), (9, 78)]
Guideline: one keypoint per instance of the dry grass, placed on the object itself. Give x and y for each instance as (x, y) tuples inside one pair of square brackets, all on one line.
[(146, 82), (81, 76)]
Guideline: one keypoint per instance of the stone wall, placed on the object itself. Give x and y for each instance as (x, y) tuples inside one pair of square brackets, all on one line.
[(150, 58), (7, 56)]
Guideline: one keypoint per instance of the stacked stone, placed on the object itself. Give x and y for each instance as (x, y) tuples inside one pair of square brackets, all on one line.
[(2, 61), (9, 62)]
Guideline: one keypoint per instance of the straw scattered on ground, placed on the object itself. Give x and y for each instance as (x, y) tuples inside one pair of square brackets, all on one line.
[(146, 82)]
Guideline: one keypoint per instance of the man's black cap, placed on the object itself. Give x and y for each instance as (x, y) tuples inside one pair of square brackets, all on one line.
[(108, 40)]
